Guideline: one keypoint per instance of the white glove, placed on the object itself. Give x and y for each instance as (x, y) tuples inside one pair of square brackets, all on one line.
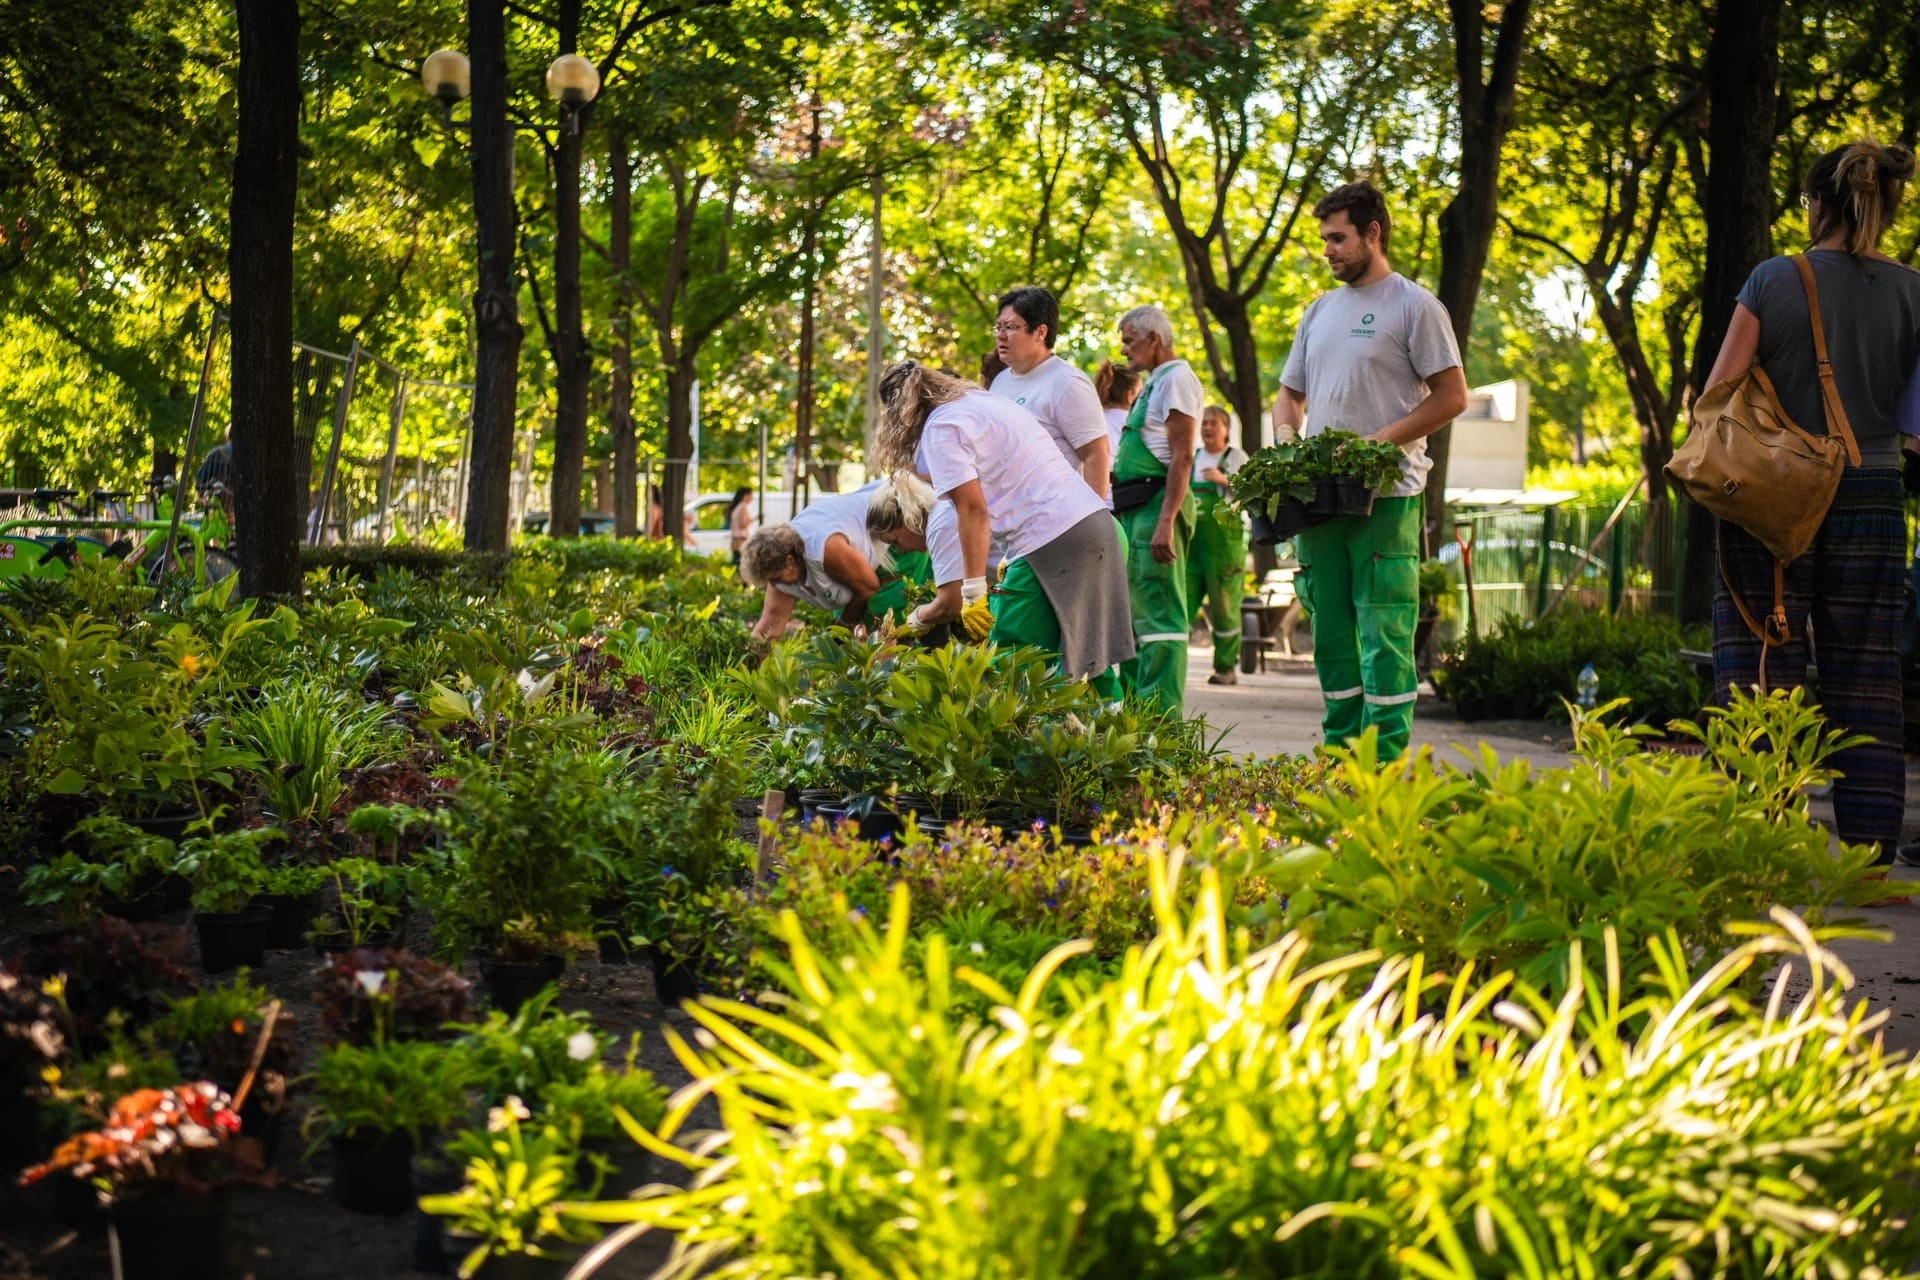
[(916, 624), (973, 589)]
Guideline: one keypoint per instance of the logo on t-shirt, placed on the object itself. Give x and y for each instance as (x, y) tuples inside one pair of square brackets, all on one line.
[(1019, 399), (1365, 328)]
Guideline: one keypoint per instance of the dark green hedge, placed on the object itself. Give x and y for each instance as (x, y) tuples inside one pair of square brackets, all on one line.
[(1525, 668)]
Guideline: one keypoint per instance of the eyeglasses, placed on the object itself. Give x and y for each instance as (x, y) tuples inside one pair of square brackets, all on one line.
[(1005, 327)]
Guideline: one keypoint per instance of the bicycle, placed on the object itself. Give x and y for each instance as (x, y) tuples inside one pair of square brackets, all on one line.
[(47, 547)]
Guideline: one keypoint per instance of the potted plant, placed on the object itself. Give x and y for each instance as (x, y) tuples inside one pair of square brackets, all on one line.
[(162, 1164), (508, 1212), (1349, 470), (123, 872), (110, 970), (228, 872), (373, 1104), (364, 905), (212, 1036), (419, 999), (292, 894), (523, 846), (535, 1047), (592, 1110), (1273, 488)]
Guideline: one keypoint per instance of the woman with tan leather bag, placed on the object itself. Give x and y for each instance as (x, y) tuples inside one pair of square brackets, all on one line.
[(1821, 346)]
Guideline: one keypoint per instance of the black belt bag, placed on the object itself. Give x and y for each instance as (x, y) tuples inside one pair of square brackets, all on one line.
[(1128, 494)]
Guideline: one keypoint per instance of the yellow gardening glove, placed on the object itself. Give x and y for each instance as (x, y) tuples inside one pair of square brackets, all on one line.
[(977, 618)]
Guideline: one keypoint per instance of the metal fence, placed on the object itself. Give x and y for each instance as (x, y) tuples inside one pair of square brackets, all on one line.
[(1528, 562), (379, 453)]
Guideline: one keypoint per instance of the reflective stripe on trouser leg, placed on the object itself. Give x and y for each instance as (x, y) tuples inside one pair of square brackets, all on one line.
[(1216, 577), (1324, 584), (1157, 596), (1386, 594)]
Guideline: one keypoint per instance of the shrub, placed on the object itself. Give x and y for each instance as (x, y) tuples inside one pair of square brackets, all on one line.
[(1534, 667), (1498, 864), (1210, 1111)]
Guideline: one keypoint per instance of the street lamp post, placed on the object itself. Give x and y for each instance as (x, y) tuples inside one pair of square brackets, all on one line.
[(572, 82)]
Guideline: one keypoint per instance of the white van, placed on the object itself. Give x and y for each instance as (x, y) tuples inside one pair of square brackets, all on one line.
[(708, 518)]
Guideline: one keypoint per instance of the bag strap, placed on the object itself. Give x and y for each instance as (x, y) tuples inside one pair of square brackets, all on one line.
[(1774, 633), (1836, 411)]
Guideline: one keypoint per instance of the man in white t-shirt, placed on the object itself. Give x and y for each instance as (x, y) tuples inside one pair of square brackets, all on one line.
[(1376, 356), (1152, 476), (1049, 388)]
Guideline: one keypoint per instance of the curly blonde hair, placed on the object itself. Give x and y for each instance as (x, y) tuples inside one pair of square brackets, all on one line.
[(769, 550), (909, 391)]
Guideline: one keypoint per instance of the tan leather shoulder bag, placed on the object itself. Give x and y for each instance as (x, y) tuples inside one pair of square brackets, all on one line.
[(1748, 462)]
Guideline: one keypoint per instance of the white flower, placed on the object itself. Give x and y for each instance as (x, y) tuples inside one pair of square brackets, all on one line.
[(371, 980), (582, 1045), (500, 1117)]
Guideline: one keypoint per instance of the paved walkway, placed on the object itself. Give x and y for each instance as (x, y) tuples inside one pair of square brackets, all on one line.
[(1278, 711)]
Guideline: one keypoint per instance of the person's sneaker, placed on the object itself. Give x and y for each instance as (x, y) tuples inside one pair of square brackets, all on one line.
[(1907, 855), (1224, 677)]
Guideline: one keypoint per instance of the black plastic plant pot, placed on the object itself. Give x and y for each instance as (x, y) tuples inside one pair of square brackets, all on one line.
[(19, 1119), (292, 917), (811, 798), (675, 978), (1341, 496), (170, 1236), (171, 823), (229, 939), (614, 948), (373, 1172), (511, 984), (1288, 520), (139, 909)]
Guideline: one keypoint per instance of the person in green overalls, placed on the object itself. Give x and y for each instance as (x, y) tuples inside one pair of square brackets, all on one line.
[(1151, 479), (1217, 564)]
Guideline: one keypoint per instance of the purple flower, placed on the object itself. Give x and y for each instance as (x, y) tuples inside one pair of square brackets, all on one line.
[(667, 872)]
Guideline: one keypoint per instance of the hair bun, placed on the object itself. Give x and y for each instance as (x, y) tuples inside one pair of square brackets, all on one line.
[(1896, 163)]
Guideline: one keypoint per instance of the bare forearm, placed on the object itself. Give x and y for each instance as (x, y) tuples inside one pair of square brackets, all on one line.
[(945, 605), (1096, 464), (1289, 414)]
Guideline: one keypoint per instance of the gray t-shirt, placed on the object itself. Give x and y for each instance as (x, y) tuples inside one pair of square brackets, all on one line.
[(1871, 313), (1362, 357)]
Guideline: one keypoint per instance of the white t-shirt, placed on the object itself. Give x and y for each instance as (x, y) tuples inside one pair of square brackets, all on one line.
[(1362, 357), (1064, 401), (1117, 422), (943, 544), (842, 513), (1228, 461), (1175, 389), (1032, 495)]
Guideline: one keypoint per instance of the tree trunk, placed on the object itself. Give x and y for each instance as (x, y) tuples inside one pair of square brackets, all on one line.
[(1651, 409), (803, 378), (571, 362), (266, 176), (626, 506), (1743, 76), (1244, 392), (673, 490), (1467, 223), (496, 305)]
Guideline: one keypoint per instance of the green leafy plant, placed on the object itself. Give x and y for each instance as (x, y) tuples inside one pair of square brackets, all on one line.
[(1534, 667), (366, 900), (518, 1176), (537, 1047), (1211, 1109), (590, 1108), (1271, 476), (227, 868), (305, 736), (390, 1086)]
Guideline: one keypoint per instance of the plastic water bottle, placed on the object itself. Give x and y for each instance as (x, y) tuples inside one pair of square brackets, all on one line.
[(1587, 687)]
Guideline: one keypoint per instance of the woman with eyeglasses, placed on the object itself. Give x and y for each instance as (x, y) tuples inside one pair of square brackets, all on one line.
[(1064, 588)]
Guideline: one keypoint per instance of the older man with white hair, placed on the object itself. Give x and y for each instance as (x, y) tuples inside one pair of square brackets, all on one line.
[(1152, 471)]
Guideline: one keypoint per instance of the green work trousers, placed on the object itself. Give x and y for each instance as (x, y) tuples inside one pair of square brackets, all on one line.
[(1217, 575), (909, 568), (1157, 594), (1022, 614), (1359, 579)]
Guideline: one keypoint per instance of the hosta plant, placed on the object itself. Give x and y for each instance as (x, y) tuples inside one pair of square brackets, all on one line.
[(1213, 1109)]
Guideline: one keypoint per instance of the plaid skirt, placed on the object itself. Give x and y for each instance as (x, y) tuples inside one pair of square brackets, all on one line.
[(1846, 599)]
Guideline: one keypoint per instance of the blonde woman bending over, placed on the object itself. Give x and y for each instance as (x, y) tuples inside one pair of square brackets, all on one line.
[(905, 516), (1065, 586)]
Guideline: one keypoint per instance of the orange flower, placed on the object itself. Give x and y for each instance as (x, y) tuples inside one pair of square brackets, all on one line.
[(190, 664)]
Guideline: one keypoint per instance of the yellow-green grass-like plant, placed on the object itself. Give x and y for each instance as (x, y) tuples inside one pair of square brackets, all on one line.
[(1216, 1109)]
